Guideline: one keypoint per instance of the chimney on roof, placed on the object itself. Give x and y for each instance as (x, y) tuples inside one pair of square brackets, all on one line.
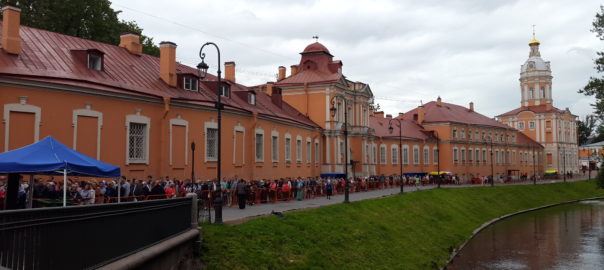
[(281, 73), (471, 106), (269, 88), (167, 62), (132, 43), (229, 71), (438, 101), (401, 115), (548, 105), (276, 97), (421, 114), (379, 114), (11, 22), (294, 70), (389, 116)]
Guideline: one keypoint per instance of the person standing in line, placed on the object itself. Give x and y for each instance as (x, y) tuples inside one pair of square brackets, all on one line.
[(329, 189), (300, 190), (241, 193)]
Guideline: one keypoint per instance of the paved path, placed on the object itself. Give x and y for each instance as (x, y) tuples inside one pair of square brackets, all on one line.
[(235, 215)]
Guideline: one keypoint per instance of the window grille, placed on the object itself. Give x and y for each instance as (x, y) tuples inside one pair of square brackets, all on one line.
[(137, 138)]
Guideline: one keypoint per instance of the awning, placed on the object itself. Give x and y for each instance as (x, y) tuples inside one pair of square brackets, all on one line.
[(441, 173)]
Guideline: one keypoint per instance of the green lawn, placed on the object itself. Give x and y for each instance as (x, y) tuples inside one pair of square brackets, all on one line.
[(410, 231)]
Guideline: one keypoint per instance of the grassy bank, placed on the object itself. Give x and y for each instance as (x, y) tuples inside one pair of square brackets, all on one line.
[(411, 231)]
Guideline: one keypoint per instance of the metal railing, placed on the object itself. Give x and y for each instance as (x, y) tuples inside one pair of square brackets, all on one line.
[(86, 237)]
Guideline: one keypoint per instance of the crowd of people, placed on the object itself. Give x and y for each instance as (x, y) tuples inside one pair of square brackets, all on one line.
[(235, 191)]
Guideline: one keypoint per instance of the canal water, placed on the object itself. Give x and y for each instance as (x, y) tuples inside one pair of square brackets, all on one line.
[(563, 237)]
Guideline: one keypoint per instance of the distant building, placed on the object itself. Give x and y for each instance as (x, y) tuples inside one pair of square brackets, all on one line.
[(538, 119), (593, 152)]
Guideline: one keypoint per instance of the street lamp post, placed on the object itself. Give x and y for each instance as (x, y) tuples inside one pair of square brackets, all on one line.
[(193, 162), (438, 181), (203, 69), (333, 111), (534, 175), (400, 148), (492, 171)]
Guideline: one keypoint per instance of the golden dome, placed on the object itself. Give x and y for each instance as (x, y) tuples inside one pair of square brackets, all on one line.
[(534, 42)]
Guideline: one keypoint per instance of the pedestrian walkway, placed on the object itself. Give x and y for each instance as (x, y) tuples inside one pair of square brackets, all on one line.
[(236, 215)]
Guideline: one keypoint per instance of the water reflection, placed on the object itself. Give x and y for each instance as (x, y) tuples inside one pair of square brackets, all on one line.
[(563, 237)]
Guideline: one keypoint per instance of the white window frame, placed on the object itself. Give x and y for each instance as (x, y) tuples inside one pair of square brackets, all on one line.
[(193, 83), (394, 154), (463, 154), (416, 154), (299, 149), (531, 125), (179, 122), (426, 155), (97, 64), (258, 131), (209, 125), (455, 155), (383, 154), (470, 155), (308, 150), (275, 146), (25, 108), (238, 128), (405, 155), (139, 119), (521, 125), (251, 98), (88, 112), (317, 152), (435, 154), (288, 151), (373, 153)]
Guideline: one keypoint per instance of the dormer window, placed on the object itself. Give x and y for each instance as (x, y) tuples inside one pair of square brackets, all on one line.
[(190, 83), (251, 98), (225, 91), (95, 61)]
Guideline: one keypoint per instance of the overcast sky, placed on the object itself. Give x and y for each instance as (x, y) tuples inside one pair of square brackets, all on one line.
[(407, 51)]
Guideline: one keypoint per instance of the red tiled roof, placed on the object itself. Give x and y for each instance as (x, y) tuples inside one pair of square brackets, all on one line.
[(536, 109), (315, 47), (411, 130), (310, 76), (452, 113), (524, 140), (48, 57)]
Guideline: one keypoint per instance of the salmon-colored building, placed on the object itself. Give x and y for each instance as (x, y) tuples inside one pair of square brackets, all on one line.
[(142, 113), (537, 118)]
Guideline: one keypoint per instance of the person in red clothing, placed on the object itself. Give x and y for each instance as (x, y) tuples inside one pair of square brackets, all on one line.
[(285, 189), (170, 191), (273, 190)]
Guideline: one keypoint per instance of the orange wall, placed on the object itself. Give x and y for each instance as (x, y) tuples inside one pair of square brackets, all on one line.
[(56, 120)]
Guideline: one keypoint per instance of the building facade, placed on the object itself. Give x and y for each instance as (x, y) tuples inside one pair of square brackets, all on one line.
[(538, 119), (144, 114)]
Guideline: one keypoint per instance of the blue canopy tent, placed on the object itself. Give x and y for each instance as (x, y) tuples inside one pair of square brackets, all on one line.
[(333, 175), (50, 157)]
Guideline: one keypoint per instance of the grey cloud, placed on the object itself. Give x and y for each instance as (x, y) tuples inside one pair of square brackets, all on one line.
[(462, 50)]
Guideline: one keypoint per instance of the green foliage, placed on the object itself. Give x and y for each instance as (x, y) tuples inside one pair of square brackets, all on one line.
[(600, 179), (89, 19), (587, 129), (595, 86), (412, 231)]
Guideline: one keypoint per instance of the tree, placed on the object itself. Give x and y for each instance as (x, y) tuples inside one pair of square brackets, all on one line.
[(89, 19), (600, 178), (595, 86), (586, 129)]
